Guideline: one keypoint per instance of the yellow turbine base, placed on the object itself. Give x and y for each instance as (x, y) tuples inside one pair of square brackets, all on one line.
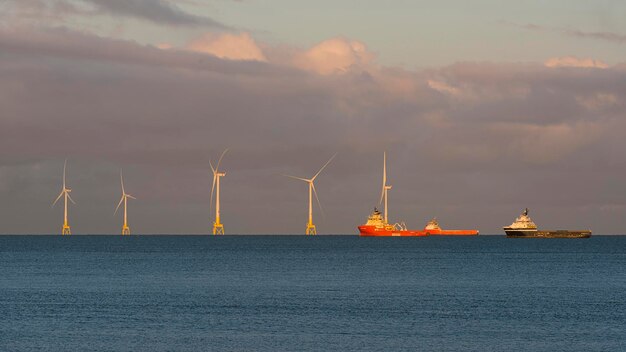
[(218, 229), (310, 230), (66, 230), (125, 230)]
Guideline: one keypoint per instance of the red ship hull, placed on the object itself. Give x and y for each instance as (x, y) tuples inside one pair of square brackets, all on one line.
[(373, 231), (452, 232)]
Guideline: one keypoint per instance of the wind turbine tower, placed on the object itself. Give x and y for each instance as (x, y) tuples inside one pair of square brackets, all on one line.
[(218, 227), (65, 193), (386, 187), (310, 227), (125, 196)]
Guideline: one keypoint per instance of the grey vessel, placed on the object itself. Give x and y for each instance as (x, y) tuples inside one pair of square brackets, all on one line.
[(524, 227)]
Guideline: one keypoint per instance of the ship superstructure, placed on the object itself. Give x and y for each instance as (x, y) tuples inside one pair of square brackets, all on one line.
[(523, 226)]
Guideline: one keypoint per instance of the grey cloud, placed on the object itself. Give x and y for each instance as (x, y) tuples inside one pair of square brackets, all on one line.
[(161, 12), (502, 137), (606, 36), (69, 44), (158, 11), (51, 11)]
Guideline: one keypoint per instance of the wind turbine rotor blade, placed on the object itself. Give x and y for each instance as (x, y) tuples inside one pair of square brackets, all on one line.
[(70, 198), (122, 182), (212, 168), (298, 178), (64, 166), (56, 200), (129, 196), (318, 200), (118, 205), (217, 167), (382, 194), (323, 167), (213, 189)]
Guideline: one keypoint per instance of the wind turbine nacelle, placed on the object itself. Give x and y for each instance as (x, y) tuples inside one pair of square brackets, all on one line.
[(221, 174), (387, 187)]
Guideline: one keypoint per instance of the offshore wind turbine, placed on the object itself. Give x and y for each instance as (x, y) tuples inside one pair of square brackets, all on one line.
[(218, 227), (65, 193), (125, 196), (310, 227), (386, 187)]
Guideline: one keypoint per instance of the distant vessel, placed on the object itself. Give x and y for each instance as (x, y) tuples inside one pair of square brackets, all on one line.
[(524, 227), (432, 228), (378, 226)]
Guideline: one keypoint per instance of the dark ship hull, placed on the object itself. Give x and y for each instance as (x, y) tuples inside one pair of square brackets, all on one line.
[(518, 233)]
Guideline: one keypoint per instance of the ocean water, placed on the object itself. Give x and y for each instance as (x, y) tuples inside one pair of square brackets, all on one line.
[(324, 293)]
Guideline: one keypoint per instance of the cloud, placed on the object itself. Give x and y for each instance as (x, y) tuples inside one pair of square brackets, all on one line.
[(72, 45), (463, 140), (571, 61), (228, 46), (332, 56), (551, 143), (162, 12), (51, 11), (613, 37), (335, 55), (606, 36), (598, 101), (443, 87), (157, 11)]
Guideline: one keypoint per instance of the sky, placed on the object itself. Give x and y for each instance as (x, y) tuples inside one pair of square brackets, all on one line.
[(483, 108)]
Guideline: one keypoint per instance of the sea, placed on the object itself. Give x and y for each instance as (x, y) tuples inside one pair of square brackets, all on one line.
[(315, 293)]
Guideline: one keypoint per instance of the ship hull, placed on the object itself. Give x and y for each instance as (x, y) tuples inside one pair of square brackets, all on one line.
[(452, 232), (373, 231), (547, 234)]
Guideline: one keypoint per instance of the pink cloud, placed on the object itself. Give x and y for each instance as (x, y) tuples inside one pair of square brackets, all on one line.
[(229, 46), (598, 101), (572, 61), (334, 55), (544, 144), (442, 87), (164, 46)]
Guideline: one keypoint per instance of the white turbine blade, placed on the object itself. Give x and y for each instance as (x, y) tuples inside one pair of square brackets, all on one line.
[(212, 168), (298, 178), (382, 194), (118, 205), (318, 200), (213, 189), (70, 198), (64, 166), (122, 182), (217, 167), (56, 200), (129, 196), (323, 167)]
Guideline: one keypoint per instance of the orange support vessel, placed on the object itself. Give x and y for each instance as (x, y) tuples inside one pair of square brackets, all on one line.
[(376, 226), (433, 229)]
